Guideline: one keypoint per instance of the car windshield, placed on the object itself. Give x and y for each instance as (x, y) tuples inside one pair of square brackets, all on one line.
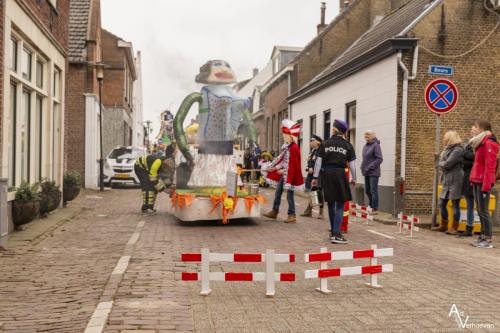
[(122, 153)]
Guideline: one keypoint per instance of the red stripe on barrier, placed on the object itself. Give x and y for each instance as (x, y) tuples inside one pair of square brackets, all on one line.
[(363, 254), (324, 273), (292, 257), (371, 269), (290, 277), (186, 276), (238, 276), (320, 257), (243, 257), (191, 257)]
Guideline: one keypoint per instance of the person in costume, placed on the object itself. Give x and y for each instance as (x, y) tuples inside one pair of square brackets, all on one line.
[(285, 172), (335, 154), (155, 174), (221, 112), (311, 162)]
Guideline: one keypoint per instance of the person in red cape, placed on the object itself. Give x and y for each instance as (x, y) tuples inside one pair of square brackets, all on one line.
[(285, 172)]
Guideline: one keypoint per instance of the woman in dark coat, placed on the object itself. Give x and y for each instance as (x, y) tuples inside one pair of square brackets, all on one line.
[(467, 190), (451, 164)]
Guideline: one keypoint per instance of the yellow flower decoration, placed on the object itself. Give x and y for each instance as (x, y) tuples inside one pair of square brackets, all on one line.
[(228, 203)]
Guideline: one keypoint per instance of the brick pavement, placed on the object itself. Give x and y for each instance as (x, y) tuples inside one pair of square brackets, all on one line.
[(55, 285)]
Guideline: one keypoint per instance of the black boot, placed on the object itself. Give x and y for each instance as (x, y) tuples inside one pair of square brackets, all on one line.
[(467, 232)]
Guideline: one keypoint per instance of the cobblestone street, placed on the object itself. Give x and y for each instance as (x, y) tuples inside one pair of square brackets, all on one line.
[(65, 280)]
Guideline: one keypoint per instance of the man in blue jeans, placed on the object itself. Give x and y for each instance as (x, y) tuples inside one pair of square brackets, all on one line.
[(370, 168), (289, 197)]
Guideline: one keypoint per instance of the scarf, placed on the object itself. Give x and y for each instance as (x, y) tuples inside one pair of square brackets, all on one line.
[(476, 141)]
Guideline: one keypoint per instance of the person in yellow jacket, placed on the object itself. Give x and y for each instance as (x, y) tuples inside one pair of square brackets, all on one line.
[(156, 174)]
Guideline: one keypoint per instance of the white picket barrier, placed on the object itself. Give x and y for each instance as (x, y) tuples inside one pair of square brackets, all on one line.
[(270, 276), (324, 272), (407, 222)]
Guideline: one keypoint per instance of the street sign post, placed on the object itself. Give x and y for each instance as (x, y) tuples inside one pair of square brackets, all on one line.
[(440, 70), (441, 96)]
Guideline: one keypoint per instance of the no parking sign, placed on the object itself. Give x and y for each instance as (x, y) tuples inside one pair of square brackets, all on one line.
[(441, 96)]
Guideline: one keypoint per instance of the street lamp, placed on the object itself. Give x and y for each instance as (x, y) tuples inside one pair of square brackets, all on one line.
[(100, 78), (148, 124)]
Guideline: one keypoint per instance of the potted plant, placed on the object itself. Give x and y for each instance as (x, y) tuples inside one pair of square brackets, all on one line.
[(50, 197), (71, 186), (26, 205)]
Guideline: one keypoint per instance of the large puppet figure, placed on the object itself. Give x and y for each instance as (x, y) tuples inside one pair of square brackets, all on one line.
[(221, 112)]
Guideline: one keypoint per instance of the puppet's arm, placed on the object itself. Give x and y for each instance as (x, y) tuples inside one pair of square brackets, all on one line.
[(180, 136)]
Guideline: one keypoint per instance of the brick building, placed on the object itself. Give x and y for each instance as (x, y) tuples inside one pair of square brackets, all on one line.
[(118, 83), (355, 18), (273, 95), (34, 44), (82, 111), (366, 85)]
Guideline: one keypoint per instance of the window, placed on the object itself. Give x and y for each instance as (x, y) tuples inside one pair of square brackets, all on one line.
[(276, 65), (350, 116), (25, 136), (56, 84), (300, 134), (12, 141), (26, 64), (13, 54), (39, 73), (326, 125), (312, 126), (273, 130), (38, 137), (280, 137), (55, 139)]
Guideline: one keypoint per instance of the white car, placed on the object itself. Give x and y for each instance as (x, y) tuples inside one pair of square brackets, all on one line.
[(119, 165)]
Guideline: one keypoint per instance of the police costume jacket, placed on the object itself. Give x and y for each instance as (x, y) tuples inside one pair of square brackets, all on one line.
[(289, 161), (335, 155)]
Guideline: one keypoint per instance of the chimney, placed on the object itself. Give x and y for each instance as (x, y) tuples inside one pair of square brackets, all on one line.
[(255, 72), (322, 24), (343, 5)]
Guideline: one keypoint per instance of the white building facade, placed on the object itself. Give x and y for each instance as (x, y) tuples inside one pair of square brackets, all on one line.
[(368, 101), (138, 126)]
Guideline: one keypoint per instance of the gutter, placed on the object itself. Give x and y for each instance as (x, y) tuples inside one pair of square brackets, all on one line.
[(404, 104)]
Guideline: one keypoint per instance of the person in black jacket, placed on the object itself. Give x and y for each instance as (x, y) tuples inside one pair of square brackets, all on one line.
[(467, 191), (311, 161)]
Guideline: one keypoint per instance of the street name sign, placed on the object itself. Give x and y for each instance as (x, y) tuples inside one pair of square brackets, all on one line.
[(440, 70)]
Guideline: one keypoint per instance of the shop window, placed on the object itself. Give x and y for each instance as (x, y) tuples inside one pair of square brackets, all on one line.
[(26, 64), (39, 73), (12, 141), (312, 126), (13, 54)]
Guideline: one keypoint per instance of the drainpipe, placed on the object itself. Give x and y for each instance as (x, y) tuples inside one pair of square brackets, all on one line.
[(404, 106)]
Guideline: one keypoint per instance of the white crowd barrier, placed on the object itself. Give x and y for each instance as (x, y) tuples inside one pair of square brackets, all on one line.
[(361, 212), (324, 272), (269, 276), (407, 222)]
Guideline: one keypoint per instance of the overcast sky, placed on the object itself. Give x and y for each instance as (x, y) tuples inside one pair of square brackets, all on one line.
[(176, 37)]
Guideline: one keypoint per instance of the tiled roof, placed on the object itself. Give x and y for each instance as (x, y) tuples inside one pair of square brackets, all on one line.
[(78, 29), (395, 25)]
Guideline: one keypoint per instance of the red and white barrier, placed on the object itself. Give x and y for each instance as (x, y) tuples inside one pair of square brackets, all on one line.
[(361, 208), (407, 222), (270, 276), (324, 272), (364, 216)]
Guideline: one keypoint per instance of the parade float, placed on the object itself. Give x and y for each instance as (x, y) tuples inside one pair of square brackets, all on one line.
[(208, 184)]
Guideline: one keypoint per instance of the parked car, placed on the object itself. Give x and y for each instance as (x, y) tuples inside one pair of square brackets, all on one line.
[(119, 166)]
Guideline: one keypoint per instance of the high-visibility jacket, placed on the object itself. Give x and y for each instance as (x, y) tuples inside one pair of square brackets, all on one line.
[(151, 163)]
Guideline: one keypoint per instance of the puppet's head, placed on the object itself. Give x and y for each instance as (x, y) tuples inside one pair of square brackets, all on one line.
[(216, 72)]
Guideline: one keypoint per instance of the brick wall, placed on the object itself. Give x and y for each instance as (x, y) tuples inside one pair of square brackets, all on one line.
[(114, 78), (55, 20), (476, 76), (74, 122), (275, 101)]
